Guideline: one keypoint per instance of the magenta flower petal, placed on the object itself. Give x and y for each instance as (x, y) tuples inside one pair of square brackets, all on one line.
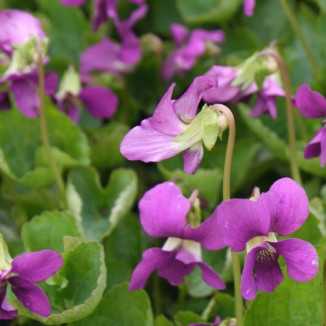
[(310, 103), (72, 2), (288, 206), (267, 269), (248, 7), (163, 211), (7, 311), (25, 95), (37, 266), (224, 77), (261, 271), (104, 57), (210, 277), (17, 27), (164, 118), (174, 270), (209, 234), (151, 259), (30, 295), (179, 33), (187, 104), (148, 145), (242, 220), (100, 101), (248, 282), (300, 257), (317, 146), (192, 158), (50, 83)]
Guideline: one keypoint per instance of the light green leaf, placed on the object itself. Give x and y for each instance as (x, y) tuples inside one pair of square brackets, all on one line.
[(110, 136), (162, 321), (121, 307), (48, 230), (184, 318), (21, 150), (85, 271), (98, 209), (209, 11)]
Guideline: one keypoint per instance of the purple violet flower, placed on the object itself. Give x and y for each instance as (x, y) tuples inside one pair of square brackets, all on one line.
[(163, 214), (24, 90), (160, 137), (100, 101), (248, 7), (313, 105), (189, 46), (254, 224), (17, 27), (25, 270), (227, 92), (109, 56)]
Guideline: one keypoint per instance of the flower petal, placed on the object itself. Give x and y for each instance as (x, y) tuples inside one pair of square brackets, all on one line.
[(248, 282), (72, 2), (224, 92), (317, 146), (187, 104), (7, 311), (192, 158), (50, 83), (179, 33), (163, 211), (310, 103), (300, 257), (242, 220), (210, 277), (209, 234), (248, 7), (164, 119), (104, 57), (268, 272), (288, 206), (146, 144), (30, 295), (100, 101), (37, 266), (25, 95), (150, 260)]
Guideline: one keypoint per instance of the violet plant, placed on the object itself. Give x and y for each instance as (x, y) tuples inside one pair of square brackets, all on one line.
[(101, 101)]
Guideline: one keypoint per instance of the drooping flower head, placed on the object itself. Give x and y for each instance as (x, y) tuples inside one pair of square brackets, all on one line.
[(313, 105), (163, 214), (21, 273), (20, 35), (17, 27), (174, 128), (254, 225), (189, 46)]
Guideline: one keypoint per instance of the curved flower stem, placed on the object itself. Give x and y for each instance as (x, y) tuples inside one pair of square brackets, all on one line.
[(289, 115), (296, 28), (227, 195), (44, 130)]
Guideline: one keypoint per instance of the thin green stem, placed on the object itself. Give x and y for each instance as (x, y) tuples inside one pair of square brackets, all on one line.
[(44, 130), (227, 195), (324, 285), (296, 28), (295, 172), (208, 310)]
